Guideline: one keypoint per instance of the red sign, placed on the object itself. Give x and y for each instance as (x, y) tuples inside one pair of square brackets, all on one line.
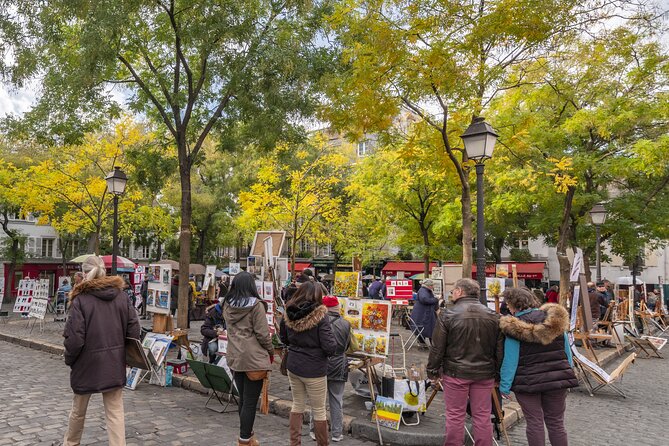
[(399, 292)]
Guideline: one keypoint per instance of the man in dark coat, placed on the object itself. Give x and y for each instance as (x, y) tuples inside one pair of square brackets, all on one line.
[(375, 289), (100, 318), (213, 325), (424, 312)]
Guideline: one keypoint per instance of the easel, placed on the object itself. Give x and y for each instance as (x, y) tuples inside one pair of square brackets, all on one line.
[(584, 328), (367, 363), (604, 380)]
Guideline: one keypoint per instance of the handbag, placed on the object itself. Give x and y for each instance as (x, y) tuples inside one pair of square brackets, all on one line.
[(283, 368), (256, 375)]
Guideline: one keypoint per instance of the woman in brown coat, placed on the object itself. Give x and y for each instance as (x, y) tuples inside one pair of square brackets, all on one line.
[(100, 318), (249, 348)]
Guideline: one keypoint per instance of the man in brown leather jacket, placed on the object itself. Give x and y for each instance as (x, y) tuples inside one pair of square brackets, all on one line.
[(466, 353)]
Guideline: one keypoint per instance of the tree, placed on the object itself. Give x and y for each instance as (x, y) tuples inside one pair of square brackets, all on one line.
[(296, 191), (449, 59), (193, 67), (411, 181), (585, 117), (13, 245), (68, 189)]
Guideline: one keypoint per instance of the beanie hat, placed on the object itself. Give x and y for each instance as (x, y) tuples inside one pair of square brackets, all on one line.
[(330, 301), (302, 278)]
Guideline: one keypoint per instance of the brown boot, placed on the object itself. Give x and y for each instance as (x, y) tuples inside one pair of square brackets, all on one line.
[(295, 424), (321, 431), (253, 441)]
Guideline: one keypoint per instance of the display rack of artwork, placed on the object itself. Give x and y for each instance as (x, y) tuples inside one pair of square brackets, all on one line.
[(370, 321), (156, 346), (40, 299), (24, 296), (266, 292), (159, 288)]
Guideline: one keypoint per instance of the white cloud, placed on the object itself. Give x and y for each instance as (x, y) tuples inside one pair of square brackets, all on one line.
[(13, 101)]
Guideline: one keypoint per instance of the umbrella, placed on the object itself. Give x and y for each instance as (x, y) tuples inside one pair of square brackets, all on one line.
[(627, 280), (81, 258), (121, 262), (419, 276), (369, 277), (196, 269)]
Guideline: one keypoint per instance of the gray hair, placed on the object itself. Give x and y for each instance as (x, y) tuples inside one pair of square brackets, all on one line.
[(93, 267), (470, 287)]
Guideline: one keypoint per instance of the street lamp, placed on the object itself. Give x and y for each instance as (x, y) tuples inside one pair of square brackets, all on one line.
[(598, 217), (116, 182), (479, 140)]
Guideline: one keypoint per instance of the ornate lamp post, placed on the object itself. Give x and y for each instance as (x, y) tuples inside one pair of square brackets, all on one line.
[(116, 182), (479, 140), (598, 217)]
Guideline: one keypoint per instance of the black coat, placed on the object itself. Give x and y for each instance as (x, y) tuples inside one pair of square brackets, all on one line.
[(307, 332), (100, 318), (542, 362), (213, 317)]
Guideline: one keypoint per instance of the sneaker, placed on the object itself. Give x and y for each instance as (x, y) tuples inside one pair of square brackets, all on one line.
[(338, 438), (312, 435)]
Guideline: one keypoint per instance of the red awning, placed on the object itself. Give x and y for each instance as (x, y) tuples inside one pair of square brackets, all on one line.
[(534, 270), (299, 267), (409, 268)]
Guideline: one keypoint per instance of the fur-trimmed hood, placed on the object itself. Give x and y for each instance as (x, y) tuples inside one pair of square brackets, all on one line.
[(105, 288), (555, 324), (304, 318)]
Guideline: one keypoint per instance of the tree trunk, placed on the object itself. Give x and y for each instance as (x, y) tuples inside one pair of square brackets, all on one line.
[(467, 227), (563, 241), (94, 243), (8, 280), (159, 251), (586, 265), (293, 247), (184, 236), (426, 245)]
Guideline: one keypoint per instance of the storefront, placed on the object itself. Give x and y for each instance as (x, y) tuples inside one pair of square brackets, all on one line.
[(530, 274), (405, 269), (42, 269)]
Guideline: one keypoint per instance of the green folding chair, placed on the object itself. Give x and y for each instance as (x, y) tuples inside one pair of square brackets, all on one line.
[(217, 379)]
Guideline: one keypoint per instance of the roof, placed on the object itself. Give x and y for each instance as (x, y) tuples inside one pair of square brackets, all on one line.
[(407, 267)]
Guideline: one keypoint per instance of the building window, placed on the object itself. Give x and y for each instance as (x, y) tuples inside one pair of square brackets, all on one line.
[(47, 247), (522, 241), (144, 252), (362, 148)]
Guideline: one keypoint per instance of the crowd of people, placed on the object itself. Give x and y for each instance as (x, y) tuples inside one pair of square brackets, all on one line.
[(472, 350)]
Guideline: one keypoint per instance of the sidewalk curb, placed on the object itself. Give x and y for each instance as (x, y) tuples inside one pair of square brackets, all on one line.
[(357, 427)]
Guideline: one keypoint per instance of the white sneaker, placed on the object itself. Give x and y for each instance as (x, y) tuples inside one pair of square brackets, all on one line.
[(312, 435), (337, 439)]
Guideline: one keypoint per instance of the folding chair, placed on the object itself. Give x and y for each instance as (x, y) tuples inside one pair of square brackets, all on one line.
[(217, 380), (416, 334)]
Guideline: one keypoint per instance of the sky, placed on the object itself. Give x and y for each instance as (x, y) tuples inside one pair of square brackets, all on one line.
[(18, 101)]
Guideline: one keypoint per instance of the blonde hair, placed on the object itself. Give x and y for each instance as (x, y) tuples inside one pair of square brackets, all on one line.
[(94, 268)]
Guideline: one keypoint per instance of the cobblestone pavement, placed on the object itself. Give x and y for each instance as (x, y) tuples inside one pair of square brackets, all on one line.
[(608, 419), (36, 398)]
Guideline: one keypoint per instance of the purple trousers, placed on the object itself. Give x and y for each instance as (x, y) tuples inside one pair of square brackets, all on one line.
[(540, 408), (479, 393)]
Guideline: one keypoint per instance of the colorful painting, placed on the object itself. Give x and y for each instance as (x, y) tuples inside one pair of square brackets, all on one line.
[(370, 323), (388, 412), (375, 316), (347, 284)]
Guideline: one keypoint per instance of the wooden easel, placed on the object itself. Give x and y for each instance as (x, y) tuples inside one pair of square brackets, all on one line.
[(367, 363)]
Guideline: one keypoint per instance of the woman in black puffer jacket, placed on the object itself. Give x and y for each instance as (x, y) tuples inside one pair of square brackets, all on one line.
[(306, 331), (537, 364)]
